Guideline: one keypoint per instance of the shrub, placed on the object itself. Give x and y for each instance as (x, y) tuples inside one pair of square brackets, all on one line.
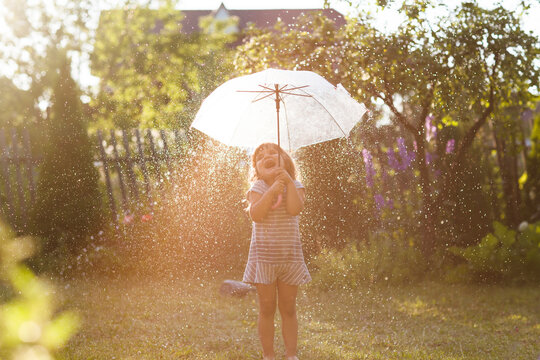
[(385, 258), (68, 204), (334, 212), (503, 255), (28, 328), (199, 220)]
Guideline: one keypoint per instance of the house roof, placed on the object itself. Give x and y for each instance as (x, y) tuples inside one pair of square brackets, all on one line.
[(262, 18)]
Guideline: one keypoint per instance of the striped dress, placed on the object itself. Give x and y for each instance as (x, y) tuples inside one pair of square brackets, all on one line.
[(276, 251)]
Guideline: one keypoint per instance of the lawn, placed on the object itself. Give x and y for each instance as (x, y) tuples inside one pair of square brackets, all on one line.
[(187, 318)]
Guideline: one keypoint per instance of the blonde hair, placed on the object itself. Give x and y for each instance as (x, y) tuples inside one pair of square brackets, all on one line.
[(286, 158)]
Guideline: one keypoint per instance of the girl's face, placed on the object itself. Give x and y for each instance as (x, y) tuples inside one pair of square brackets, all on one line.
[(267, 162)]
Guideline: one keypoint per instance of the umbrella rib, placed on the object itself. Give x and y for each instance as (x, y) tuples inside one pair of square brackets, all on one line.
[(254, 91), (259, 99), (294, 88), (324, 107), (267, 88), (287, 93)]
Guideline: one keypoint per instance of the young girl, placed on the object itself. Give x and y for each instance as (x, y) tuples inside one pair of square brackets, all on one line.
[(276, 263)]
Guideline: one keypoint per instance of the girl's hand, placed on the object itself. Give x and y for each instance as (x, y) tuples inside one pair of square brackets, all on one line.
[(282, 175), (277, 187)]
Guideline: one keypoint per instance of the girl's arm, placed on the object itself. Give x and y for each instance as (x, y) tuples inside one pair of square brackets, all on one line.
[(295, 199), (260, 204)]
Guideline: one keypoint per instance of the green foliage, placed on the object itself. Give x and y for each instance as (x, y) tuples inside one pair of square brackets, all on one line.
[(532, 184), (35, 37), (471, 191), (151, 74), (17, 105), (68, 204), (461, 68), (504, 255), (384, 259), (333, 214), (30, 327)]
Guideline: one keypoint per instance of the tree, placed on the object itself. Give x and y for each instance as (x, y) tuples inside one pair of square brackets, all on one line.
[(460, 70), (37, 35), (151, 74), (17, 105), (456, 71), (68, 204), (532, 184), (335, 212)]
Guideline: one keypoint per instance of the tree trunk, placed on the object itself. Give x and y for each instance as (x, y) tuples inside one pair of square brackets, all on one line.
[(508, 180), (428, 212)]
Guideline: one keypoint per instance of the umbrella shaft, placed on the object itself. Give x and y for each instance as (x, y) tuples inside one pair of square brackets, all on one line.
[(277, 113)]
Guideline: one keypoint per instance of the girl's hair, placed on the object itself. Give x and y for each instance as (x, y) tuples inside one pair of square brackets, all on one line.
[(286, 158)]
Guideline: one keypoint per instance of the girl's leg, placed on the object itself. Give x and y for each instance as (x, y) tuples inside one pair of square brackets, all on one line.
[(289, 323), (267, 309)]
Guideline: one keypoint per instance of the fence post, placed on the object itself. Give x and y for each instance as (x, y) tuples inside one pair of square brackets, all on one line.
[(142, 162), (155, 160), (29, 165), (116, 160), (16, 161), (5, 172), (129, 163), (166, 150), (104, 161)]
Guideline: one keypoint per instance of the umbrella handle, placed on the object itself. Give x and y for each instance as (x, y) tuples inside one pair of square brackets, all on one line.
[(278, 201)]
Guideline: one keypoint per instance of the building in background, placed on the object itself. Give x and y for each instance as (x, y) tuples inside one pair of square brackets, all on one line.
[(261, 18)]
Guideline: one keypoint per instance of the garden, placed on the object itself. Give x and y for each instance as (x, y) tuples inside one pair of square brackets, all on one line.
[(120, 221)]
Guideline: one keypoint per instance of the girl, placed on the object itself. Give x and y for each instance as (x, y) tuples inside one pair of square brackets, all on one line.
[(276, 263)]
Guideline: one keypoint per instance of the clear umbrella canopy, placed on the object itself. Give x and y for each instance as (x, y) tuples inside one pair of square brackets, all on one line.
[(242, 111)]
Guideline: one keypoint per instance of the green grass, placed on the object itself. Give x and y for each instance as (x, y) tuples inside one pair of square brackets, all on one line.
[(188, 319)]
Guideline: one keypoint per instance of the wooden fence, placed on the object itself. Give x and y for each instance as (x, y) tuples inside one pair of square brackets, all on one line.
[(132, 164), (18, 169)]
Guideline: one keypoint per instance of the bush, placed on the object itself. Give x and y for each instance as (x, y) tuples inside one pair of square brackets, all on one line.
[(28, 328), (199, 220), (334, 211), (503, 255), (385, 258), (68, 203)]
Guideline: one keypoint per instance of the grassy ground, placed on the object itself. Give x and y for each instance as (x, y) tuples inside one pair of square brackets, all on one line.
[(188, 319)]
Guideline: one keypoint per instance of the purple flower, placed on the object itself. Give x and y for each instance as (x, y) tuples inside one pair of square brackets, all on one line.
[(429, 157), (384, 174), (392, 161), (450, 146), (401, 147), (366, 155), (431, 130), (406, 156), (370, 171), (379, 201)]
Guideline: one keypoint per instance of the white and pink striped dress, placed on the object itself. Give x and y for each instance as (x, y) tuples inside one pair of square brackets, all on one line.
[(276, 250)]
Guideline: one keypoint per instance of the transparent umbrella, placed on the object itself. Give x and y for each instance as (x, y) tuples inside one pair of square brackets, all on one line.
[(290, 108)]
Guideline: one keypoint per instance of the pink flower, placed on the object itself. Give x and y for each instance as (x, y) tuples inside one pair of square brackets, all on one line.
[(431, 130), (370, 171), (450, 146), (146, 217), (128, 218)]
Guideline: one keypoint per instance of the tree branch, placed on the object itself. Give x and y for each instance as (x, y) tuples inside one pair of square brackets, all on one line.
[(400, 117), (470, 135)]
